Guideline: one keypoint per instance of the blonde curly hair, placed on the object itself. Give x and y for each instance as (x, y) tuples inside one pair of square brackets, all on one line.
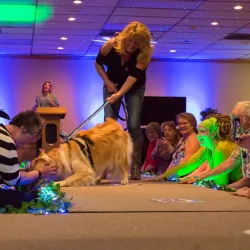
[(224, 126), (139, 33)]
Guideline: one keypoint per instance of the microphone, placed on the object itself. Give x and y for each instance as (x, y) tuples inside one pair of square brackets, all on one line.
[(37, 99)]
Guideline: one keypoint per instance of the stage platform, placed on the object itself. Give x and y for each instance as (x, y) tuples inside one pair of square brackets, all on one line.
[(141, 215)]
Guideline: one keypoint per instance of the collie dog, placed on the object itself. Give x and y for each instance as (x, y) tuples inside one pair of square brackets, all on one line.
[(104, 147)]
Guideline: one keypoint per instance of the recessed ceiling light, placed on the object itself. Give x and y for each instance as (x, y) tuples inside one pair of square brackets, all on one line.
[(64, 38), (98, 41), (106, 38), (71, 19), (214, 23), (172, 50), (238, 7), (77, 2), (60, 48)]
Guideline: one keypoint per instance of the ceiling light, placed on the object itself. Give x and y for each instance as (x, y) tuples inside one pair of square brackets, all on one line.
[(77, 2), (106, 38), (71, 19), (64, 38), (172, 50), (238, 7), (98, 41), (214, 23), (14, 13), (152, 42), (60, 48)]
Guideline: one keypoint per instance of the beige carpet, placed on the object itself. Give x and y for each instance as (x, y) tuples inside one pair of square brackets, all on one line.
[(125, 217), (142, 196), (138, 231)]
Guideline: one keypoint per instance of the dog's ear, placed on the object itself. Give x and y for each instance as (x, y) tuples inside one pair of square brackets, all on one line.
[(33, 163), (41, 151)]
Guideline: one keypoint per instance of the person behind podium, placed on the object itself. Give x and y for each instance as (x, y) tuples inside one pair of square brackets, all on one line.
[(46, 98)]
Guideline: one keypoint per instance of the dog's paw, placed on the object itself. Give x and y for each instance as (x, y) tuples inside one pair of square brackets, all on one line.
[(83, 182), (91, 182), (124, 182)]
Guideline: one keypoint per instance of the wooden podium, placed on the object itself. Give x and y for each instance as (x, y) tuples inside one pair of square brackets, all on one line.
[(51, 129)]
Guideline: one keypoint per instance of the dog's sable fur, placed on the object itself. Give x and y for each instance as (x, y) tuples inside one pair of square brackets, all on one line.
[(111, 148)]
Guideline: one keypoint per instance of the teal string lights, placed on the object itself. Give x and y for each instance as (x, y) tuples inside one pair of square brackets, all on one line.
[(50, 200)]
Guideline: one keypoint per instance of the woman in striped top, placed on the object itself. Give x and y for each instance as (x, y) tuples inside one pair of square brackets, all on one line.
[(23, 128)]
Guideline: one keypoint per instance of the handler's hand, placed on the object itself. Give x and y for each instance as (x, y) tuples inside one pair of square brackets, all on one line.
[(113, 98), (47, 170)]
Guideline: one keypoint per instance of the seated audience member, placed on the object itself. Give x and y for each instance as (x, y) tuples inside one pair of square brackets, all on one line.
[(240, 155), (213, 136), (244, 141), (46, 98), (206, 113), (165, 146), (23, 128), (152, 130), (188, 144)]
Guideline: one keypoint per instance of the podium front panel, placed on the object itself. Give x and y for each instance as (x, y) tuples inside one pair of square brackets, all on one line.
[(52, 126)]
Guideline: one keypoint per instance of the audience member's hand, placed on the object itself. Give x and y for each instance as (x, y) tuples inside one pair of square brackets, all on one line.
[(163, 142), (192, 180), (244, 141), (47, 170), (184, 180), (157, 178)]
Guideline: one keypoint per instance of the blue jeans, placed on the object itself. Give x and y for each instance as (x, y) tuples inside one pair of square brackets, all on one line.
[(133, 102)]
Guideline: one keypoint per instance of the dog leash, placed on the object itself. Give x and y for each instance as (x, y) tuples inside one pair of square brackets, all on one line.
[(66, 137), (117, 113)]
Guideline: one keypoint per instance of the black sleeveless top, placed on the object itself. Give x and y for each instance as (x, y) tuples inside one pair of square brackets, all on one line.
[(118, 73)]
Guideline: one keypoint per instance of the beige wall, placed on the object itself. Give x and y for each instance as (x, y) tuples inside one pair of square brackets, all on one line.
[(79, 88)]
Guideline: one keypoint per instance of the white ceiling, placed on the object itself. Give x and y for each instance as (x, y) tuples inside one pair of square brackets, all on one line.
[(184, 26)]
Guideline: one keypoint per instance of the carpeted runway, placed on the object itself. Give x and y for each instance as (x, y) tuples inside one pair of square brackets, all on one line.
[(139, 216), (153, 197)]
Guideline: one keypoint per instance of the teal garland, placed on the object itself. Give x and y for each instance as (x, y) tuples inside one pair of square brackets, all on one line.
[(50, 200), (212, 184)]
